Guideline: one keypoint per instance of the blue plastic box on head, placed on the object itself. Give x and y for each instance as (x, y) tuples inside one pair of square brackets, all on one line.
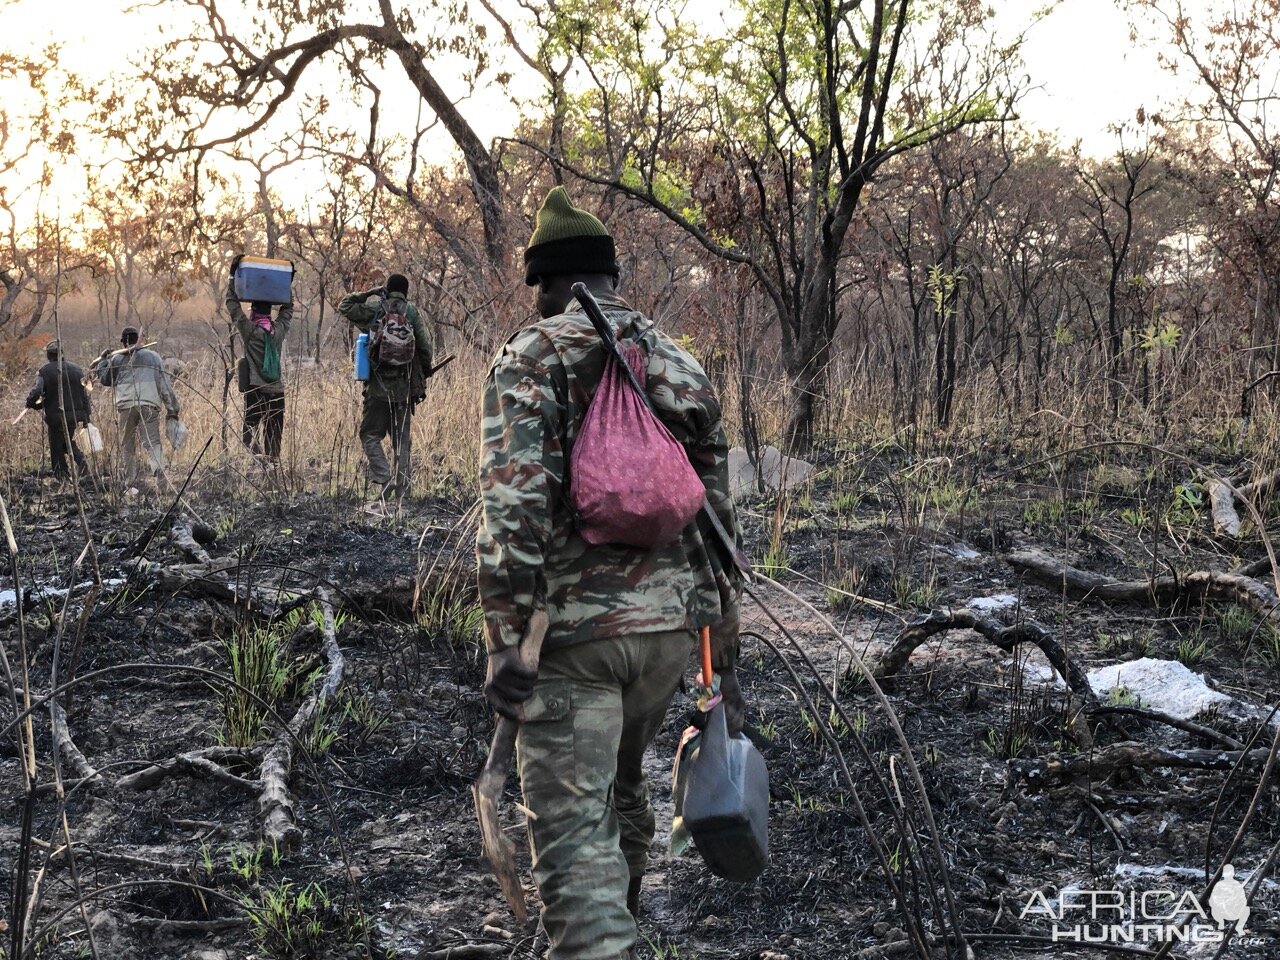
[(260, 278)]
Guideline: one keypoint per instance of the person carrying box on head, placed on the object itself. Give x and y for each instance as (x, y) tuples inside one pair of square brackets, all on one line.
[(262, 336)]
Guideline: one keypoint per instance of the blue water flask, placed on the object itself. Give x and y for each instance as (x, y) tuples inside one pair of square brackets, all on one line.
[(362, 357)]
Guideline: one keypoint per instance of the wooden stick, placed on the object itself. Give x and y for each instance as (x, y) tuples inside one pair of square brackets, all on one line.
[(1086, 585), (18, 419), (487, 790), (275, 804), (1004, 637)]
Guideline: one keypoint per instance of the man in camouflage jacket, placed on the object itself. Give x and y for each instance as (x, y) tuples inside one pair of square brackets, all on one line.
[(390, 395), (622, 619)]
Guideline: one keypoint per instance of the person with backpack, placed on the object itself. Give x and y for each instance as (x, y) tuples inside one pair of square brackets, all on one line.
[(142, 391), (59, 393), (262, 337), (622, 618), (399, 365)]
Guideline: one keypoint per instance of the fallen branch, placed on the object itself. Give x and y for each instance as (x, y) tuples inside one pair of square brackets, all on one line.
[(1004, 636), (275, 803), (1186, 726), (200, 763), (203, 577), (182, 537), (470, 951), (1222, 497), (1085, 585), (71, 755), (165, 925), (1226, 521), (1130, 755)]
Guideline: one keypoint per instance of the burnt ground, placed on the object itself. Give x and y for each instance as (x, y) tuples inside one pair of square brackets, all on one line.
[(390, 862)]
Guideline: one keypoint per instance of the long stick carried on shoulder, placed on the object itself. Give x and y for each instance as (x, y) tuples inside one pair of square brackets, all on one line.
[(598, 320)]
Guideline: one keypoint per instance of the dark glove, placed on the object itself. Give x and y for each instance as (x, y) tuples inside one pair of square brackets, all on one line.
[(735, 708), (508, 682), (235, 262)]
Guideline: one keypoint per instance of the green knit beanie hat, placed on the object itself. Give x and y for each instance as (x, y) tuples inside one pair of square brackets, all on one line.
[(567, 239)]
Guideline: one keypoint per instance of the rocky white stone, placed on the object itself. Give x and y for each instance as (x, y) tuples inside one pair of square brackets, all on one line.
[(1167, 686), (778, 472)]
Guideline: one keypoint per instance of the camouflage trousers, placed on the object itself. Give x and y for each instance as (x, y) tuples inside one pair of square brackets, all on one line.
[(595, 708)]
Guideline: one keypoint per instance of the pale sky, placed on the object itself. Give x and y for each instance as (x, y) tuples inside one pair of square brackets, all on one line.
[(1087, 73)]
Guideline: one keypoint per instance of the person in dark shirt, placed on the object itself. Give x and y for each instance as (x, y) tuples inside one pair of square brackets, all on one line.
[(60, 394)]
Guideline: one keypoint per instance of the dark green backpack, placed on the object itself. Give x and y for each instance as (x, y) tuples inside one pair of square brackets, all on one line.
[(270, 358)]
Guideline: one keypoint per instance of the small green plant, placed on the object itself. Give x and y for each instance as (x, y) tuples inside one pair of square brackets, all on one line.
[(921, 596), (845, 504), (1136, 517), (663, 949), (1236, 622), (895, 859), (261, 673), (859, 721), (775, 560), (1008, 745), (811, 726), (843, 589), (453, 615), (1139, 643), (246, 863), (836, 722), (804, 804), (1122, 696), (291, 921), (949, 498), (206, 860), (1268, 645), (1046, 511), (359, 711), (319, 736), (1192, 650), (1186, 505)]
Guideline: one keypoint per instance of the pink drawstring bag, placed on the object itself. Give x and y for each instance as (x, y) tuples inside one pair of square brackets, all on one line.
[(630, 481)]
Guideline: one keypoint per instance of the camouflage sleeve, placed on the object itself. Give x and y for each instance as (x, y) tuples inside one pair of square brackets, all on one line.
[(354, 308), (521, 466)]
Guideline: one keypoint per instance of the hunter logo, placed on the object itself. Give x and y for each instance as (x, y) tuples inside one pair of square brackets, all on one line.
[(1149, 916), (1228, 901)]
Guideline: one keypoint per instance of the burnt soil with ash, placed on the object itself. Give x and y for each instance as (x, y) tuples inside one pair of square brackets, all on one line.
[(390, 862)]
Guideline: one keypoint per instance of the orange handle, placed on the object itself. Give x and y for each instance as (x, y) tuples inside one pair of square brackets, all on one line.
[(707, 674)]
